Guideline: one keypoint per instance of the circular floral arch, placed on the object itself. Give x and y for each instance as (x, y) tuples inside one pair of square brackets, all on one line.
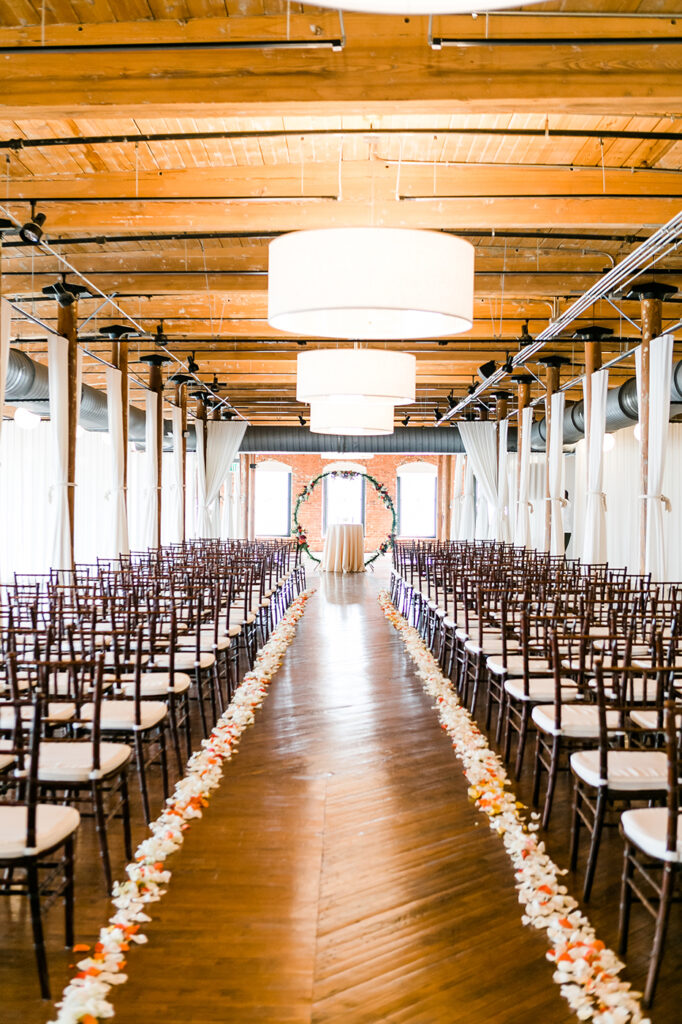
[(346, 474)]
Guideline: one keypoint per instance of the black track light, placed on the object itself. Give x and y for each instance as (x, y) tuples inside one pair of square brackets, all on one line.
[(302, 420), (301, 342), (229, 414), (451, 400), (160, 338), (32, 231), (405, 420), (487, 369), (508, 365), (192, 365), (437, 414), (525, 337)]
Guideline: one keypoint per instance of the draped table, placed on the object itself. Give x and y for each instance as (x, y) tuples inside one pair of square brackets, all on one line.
[(344, 548)]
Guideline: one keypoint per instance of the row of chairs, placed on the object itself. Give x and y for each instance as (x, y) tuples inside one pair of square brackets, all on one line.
[(586, 661), (102, 669)]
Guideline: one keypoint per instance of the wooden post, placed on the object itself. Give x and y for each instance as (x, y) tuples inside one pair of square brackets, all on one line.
[(181, 402), (67, 325), (243, 495), (553, 366), (523, 381), (651, 295), (119, 359), (155, 361), (252, 501)]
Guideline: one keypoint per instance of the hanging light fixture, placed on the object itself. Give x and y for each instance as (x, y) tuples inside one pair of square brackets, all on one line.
[(356, 418), (422, 7), (370, 283), (363, 374)]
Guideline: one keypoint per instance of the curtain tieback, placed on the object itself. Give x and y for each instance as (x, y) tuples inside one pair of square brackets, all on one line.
[(563, 502), (601, 495), (667, 504)]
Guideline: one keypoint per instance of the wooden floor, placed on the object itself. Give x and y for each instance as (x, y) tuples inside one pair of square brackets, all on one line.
[(340, 873)]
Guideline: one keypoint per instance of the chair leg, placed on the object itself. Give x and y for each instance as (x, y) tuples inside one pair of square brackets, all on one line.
[(625, 900), (163, 755), (521, 743), (37, 926), (575, 827), (537, 769), (600, 811), (662, 918), (175, 736), (125, 814), (551, 781), (198, 683), (68, 893), (142, 775), (101, 827)]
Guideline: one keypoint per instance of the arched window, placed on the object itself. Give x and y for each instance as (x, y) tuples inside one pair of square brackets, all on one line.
[(417, 483), (344, 497), (272, 498)]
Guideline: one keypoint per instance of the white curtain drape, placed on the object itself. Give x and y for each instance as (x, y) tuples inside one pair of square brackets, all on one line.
[(594, 529), (151, 483), (58, 370), (467, 518), (223, 440), (117, 493), (660, 373), (502, 530), (200, 525), (176, 495), (522, 522), (480, 442), (5, 330), (457, 494), (555, 470)]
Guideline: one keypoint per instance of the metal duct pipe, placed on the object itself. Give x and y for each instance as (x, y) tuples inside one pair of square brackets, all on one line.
[(28, 384), (621, 411), (403, 441)]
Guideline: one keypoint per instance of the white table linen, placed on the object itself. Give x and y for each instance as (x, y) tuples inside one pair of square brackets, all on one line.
[(344, 548)]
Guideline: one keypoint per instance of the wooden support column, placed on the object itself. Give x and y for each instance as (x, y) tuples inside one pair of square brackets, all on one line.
[(252, 500), (67, 325), (244, 495), (523, 381), (553, 366), (592, 335), (155, 362), (181, 380), (119, 359), (650, 295)]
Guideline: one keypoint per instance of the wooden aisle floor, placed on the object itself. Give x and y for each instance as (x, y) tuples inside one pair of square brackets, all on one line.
[(340, 874)]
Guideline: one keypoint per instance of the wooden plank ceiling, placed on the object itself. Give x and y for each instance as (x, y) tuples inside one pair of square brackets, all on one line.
[(555, 159)]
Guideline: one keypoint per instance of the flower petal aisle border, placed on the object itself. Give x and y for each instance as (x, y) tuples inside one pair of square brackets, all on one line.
[(584, 968), (86, 998)]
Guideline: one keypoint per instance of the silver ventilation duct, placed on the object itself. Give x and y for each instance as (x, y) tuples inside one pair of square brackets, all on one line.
[(27, 383)]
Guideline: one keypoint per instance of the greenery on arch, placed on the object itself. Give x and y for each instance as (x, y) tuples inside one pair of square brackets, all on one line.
[(299, 533)]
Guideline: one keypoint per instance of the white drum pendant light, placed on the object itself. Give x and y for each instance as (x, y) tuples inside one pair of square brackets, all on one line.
[(415, 7), (371, 283), (357, 418), (365, 374)]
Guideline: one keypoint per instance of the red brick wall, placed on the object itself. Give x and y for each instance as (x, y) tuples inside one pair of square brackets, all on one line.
[(383, 468)]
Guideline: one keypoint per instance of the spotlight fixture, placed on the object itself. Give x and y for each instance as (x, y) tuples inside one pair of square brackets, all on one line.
[(302, 420), (192, 365), (508, 365), (437, 414), (32, 231), (451, 400), (64, 292), (160, 338), (487, 369), (117, 331), (525, 338), (405, 420), (228, 414)]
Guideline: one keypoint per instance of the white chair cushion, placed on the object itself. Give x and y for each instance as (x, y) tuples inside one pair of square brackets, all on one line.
[(155, 684), (580, 721), (119, 715), (72, 762), (515, 663), (184, 660), (647, 828), (540, 691), (206, 640), (55, 712), (54, 824), (630, 770), (648, 719)]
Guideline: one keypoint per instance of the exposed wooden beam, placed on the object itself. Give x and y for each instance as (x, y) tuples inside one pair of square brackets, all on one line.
[(470, 212), (355, 177), (385, 67)]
